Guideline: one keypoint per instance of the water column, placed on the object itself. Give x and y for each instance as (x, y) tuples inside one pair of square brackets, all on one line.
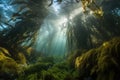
[(51, 40)]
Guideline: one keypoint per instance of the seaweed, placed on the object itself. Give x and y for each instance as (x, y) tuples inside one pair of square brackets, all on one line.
[(9, 67), (101, 63), (47, 71)]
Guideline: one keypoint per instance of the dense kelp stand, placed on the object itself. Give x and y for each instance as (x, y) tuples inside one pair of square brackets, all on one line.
[(59, 39)]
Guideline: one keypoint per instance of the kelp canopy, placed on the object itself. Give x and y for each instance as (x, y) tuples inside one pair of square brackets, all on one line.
[(19, 24), (59, 39)]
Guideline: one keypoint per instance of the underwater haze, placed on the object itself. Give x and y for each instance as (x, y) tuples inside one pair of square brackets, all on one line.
[(59, 39)]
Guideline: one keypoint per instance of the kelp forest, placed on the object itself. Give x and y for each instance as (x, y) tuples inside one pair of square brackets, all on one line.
[(59, 39)]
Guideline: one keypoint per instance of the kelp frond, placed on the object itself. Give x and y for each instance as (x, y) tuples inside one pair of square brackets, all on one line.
[(102, 62)]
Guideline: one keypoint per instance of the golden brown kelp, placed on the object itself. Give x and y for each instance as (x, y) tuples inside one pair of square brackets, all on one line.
[(9, 68), (23, 32), (72, 57), (101, 63)]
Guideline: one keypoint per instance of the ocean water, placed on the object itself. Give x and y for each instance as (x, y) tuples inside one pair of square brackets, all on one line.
[(68, 40)]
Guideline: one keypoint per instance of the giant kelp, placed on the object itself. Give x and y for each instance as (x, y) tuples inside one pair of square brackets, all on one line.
[(101, 63), (47, 70), (17, 34), (17, 54), (10, 68), (90, 31), (21, 25)]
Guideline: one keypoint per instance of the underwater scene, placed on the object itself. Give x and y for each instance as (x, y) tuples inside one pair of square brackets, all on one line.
[(59, 39)]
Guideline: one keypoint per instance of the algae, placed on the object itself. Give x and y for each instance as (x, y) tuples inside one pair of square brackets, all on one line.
[(101, 63)]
